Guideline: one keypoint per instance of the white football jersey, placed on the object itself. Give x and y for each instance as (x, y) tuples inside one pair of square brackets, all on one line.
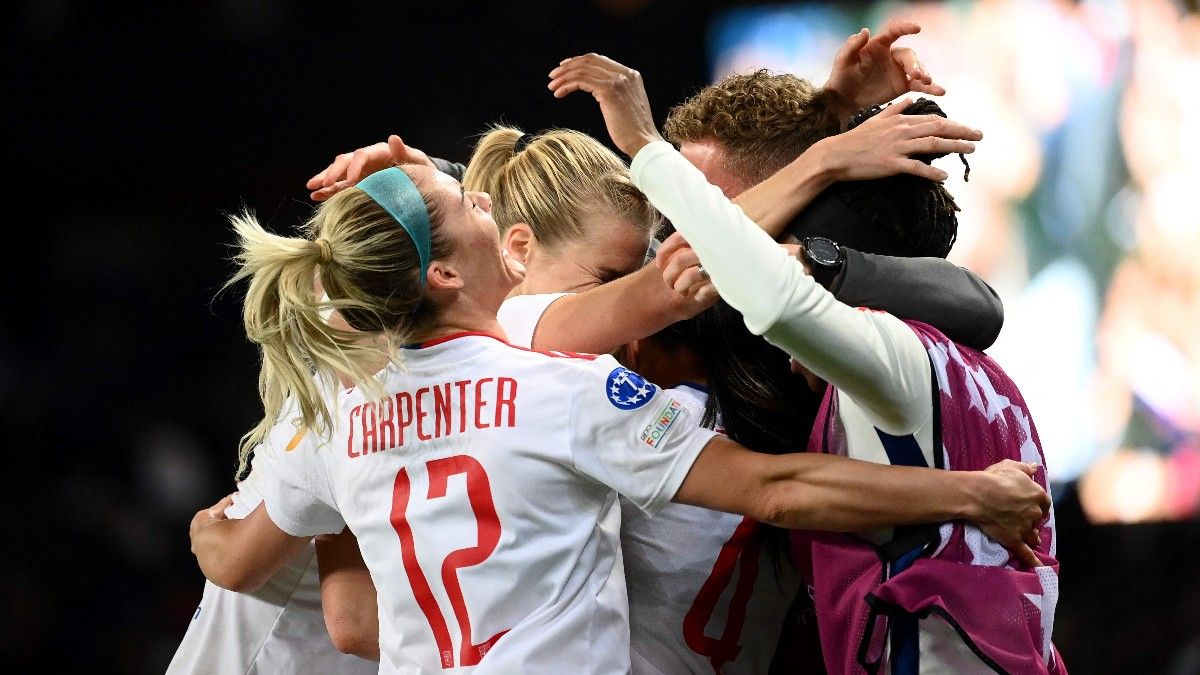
[(705, 594), (476, 487), (519, 316), (278, 628)]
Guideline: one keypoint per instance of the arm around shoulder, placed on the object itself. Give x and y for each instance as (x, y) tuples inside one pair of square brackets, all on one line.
[(837, 494), (935, 291)]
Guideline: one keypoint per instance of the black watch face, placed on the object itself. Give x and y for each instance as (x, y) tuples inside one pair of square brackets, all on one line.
[(823, 251)]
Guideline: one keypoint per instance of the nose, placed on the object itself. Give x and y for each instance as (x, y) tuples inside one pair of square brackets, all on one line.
[(484, 200)]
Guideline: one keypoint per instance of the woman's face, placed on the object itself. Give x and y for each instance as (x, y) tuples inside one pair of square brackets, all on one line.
[(612, 249), (485, 267)]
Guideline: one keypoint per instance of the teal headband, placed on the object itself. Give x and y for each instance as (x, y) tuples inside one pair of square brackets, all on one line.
[(398, 195)]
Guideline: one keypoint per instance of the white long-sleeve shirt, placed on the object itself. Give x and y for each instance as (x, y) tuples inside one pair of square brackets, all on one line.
[(872, 357), (877, 364)]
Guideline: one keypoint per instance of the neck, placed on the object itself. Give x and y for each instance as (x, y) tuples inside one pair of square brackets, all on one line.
[(463, 316)]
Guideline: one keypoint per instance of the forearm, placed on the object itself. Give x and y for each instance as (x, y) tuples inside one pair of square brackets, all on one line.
[(241, 554), (225, 556), (602, 319), (837, 494), (931, 290), (882, 365), (348, 597), (774, 202)]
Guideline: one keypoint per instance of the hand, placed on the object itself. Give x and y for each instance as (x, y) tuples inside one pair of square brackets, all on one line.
[(797, 251), (681, 270), (618, 90), (868, 70), (1013, 508), (882, 146), (350, 167), (212, 514)]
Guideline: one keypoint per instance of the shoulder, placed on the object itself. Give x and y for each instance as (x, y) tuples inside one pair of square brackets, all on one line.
[(549, 358)]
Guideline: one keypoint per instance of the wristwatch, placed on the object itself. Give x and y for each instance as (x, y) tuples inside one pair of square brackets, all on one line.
[(825, 259)]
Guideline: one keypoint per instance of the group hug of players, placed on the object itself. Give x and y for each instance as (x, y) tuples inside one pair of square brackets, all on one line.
[(724, 408)]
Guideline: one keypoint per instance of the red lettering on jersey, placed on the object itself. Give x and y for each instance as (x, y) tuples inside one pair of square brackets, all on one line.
[(382, 424), (462, 404), (441, 409), (401, 493), (357, 410), (387, 432), (421, 414), (370, 440), (506, 400), (742, 547), (487, 537), (404, 414), (479, 403), (479, 493)]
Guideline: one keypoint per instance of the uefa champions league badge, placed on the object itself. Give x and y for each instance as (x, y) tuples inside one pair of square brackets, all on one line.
[(627, 390)]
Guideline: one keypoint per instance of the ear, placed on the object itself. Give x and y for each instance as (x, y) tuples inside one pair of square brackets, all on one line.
[(442, 276), (520, 241), (628, 354)]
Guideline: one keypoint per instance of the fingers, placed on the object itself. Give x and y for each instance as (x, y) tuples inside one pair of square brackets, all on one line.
[(354, 169), (586, 77), (932, 145), (933, 125), (707, 293), (913, 70), (896, 30), (321, 194), (690, 280), (1044, 503), (668, 248), (337, 169), (848, 54), (893, 109), (685, 258), (931, 88), (217, 511), (1026, 555), (1033, 536), (919, 168), (319, 179), (594, 59)]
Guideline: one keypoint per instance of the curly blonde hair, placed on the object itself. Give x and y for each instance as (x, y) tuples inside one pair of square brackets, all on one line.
[(762, 120)]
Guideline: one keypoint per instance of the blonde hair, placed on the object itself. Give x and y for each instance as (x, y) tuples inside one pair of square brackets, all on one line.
[(368, 267), (762, 120), (553, 180)]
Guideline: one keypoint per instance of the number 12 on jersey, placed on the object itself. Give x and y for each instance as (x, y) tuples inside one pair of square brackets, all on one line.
[(479, 492)]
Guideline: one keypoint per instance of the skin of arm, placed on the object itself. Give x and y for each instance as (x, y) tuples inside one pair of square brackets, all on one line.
[(838, 494), (348, 597), (601, 319), (241, 554)]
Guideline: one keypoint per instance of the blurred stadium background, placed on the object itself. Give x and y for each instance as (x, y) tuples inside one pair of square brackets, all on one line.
[(125, 382)]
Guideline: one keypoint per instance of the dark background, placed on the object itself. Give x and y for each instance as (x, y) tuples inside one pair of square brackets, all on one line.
[(125, 380)]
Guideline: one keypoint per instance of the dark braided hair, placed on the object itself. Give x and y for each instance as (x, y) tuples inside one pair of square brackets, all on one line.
[(903, 215)]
